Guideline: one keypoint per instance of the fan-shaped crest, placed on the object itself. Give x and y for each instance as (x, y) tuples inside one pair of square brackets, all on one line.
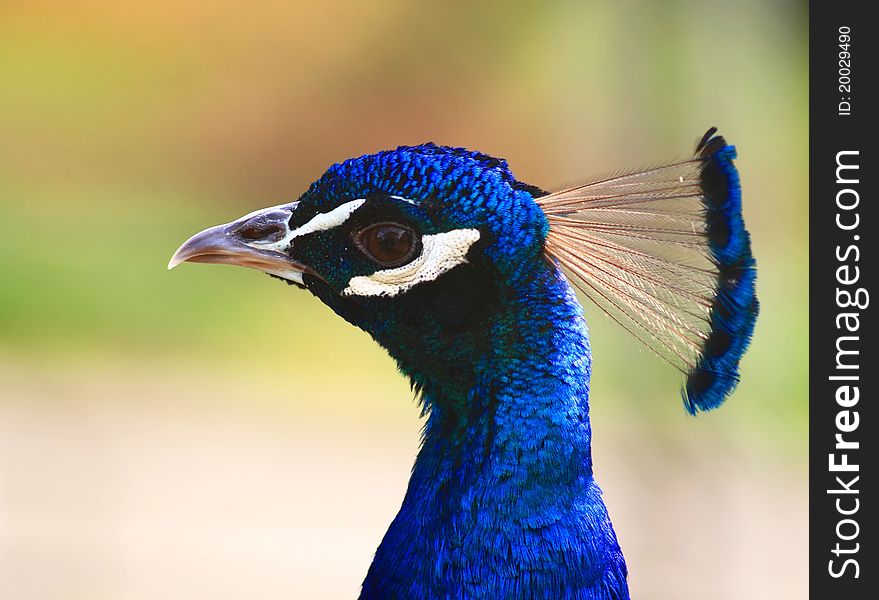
[(664, 252)]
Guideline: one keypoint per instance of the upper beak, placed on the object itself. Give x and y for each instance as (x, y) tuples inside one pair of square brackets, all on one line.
[(257, 240)]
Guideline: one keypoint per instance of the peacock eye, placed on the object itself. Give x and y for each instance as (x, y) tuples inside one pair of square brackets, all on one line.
[(388, 244)]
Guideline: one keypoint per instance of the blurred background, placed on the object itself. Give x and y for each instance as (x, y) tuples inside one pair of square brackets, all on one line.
[(212, 433)]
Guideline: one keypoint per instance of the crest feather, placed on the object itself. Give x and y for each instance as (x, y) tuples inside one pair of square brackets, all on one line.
[(664, 252)]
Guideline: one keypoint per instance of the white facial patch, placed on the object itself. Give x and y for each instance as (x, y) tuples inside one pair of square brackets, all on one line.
[(440, 253), (320, 222)]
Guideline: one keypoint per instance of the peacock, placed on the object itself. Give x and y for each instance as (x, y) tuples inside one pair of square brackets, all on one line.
[(468, 278)]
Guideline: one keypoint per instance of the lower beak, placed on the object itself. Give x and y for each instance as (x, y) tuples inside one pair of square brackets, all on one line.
[(258, 240)]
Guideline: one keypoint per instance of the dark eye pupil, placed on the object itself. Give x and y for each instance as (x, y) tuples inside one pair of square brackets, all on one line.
[(388, 243)]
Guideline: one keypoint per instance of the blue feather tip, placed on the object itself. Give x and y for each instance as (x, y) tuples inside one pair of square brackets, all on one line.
[(735, 307)]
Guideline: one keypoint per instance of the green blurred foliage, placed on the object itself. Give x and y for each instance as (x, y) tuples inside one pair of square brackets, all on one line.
[(125, 127)]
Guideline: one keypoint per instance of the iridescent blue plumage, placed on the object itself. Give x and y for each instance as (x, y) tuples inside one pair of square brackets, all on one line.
[(502, 502), (462, 273)]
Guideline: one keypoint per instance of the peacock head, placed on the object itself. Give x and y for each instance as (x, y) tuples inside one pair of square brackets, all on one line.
[(416, 246), (442, 256)]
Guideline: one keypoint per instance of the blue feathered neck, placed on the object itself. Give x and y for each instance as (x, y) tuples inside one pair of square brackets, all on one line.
[(502, 502)]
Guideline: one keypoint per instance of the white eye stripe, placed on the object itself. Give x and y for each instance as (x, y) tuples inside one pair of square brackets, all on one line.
[(324, 221), (440, 253), (320, 222)]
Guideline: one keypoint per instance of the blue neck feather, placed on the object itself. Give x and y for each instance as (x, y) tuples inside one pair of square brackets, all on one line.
[(502, 502)]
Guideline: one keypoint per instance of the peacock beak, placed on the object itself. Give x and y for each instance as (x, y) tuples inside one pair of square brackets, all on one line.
[(258, 240)]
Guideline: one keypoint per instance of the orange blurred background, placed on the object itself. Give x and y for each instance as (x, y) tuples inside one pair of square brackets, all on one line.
[(211, 433)]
